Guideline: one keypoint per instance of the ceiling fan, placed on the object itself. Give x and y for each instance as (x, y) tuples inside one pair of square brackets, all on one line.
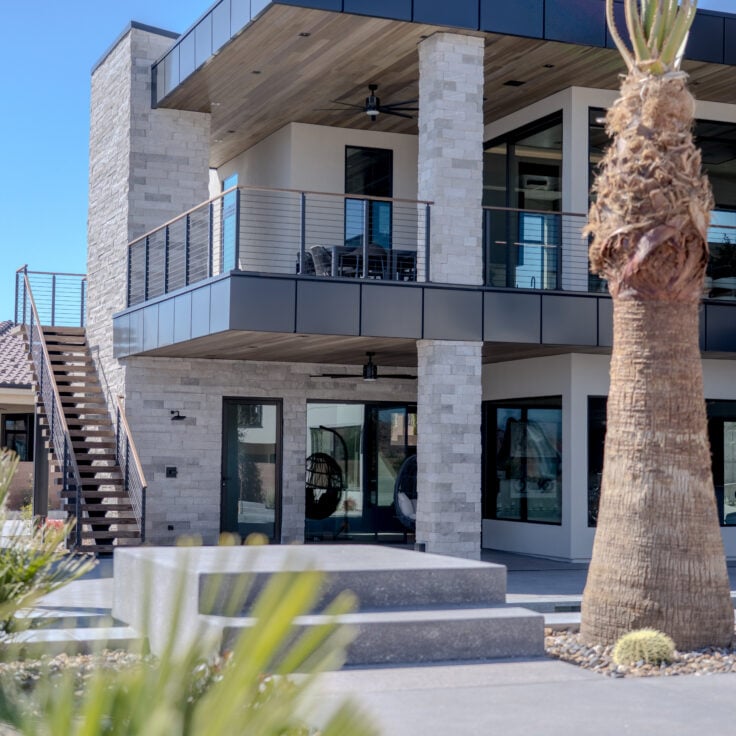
[(370, 373), (373, 107)]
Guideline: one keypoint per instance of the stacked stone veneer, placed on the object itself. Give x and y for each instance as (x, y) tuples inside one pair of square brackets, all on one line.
[(146, 167), (190, 503), (449, 389), (451, 154)]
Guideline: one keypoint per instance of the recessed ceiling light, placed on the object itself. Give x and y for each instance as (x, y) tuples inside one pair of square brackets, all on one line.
[(549, 66), (256, 71), (231, 131), (305, 34), (513, 83)]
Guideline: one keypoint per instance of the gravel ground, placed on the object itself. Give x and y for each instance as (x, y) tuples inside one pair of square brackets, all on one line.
[(563, 645), (566, 645)]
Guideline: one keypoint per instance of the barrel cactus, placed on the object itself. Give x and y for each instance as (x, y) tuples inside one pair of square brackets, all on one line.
[(645, 645)]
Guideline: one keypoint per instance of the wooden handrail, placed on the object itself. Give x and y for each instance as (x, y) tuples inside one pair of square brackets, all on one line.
[(251, 188), (131, 445), (534, 212), (23, 269)]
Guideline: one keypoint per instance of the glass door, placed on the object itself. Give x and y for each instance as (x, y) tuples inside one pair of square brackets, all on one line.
[(251, 482), (365, 445)]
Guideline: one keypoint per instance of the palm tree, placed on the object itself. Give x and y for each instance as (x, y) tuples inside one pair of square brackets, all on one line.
[(658, 558)]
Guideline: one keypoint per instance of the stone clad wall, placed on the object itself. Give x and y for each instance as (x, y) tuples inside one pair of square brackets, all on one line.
[(146, 167), (191, 502)]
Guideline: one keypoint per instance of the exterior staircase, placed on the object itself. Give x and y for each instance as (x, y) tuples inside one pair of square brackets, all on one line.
[(102, 482), (106, 515)]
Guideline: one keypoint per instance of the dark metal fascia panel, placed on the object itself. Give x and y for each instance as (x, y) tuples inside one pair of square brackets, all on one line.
[(391, 310), (512, 317), (328, 308), (569, 319), (262, 304)]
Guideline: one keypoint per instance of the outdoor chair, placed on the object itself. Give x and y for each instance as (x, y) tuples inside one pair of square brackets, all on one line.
[(405, 493), (322, 260), (324, 486)]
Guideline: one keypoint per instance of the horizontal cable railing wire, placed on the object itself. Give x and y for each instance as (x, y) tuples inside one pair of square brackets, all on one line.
[(536, 249), (60, 298), (280, 231)]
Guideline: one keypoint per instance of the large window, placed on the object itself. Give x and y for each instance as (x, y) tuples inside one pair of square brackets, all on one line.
[(722, 436), (17, 435), (523, 460), (717, 142), (369, 173), (522, 175)]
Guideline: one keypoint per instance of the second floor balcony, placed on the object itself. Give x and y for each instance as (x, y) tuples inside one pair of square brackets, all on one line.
[(334, 236)]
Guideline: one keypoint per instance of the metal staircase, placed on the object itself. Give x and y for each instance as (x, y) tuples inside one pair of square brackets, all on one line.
[(102, 482)]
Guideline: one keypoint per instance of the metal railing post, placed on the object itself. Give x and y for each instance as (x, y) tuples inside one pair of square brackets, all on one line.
[(186, 251), (130, 273), (210, 240), (82, 302), (558, 252), (147, 255), (302, 230), (166, 261), (366, 234), (126, 479), (53, 300), (426, 242), (236, 248)]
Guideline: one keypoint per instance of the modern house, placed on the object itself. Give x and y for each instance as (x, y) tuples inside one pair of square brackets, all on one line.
[(326, 236)]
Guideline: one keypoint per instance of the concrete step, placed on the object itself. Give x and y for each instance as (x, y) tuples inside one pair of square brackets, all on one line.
[(422, 636), (35, 643), (414, 607)]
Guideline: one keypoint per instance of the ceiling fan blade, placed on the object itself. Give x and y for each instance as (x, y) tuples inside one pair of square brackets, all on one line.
[(401, 104), (400, 376), (397, 108), (397, 114), (336, 375), (347, 104)]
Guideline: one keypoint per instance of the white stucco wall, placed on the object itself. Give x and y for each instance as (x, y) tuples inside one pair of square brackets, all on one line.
[(575, 377)]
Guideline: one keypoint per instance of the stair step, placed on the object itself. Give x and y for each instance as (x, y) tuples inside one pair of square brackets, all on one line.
[(37, 643), (102, 444), (420, 637), (107, 507), (89, 521), (62, 330), (88, 493), (126, 534), (74, 432)]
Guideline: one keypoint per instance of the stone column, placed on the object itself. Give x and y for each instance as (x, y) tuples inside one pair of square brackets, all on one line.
[(449, 382), (293, 503), (145, 167)]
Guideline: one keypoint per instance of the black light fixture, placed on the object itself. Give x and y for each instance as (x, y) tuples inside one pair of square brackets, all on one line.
[(177, 416), (370, 369)]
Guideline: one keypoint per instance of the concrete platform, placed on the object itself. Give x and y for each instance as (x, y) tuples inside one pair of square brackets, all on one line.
[(414, 607)]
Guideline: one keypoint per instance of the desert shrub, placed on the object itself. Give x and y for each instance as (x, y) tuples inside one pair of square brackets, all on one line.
[(644, 645), (33, 562)]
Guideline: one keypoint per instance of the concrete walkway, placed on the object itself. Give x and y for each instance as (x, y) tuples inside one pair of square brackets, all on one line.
[(537, 697)]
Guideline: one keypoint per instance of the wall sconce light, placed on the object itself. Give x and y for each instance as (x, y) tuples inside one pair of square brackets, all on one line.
[(176, 416)]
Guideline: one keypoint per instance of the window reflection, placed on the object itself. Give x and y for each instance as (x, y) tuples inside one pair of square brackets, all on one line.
[(523, 470)]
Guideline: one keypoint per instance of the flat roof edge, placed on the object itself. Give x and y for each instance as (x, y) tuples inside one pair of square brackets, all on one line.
[(133, 25)]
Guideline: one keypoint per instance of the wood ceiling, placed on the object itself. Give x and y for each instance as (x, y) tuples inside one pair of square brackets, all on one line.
[(294, 61), (336, 349)]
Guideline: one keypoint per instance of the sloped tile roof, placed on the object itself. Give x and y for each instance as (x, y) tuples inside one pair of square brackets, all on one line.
[(14, 369)]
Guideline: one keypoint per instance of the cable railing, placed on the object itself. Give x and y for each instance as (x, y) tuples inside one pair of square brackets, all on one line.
[(536, 249), (51, 400), (278, 231), (61, 298), (134, 481), (281, 231)]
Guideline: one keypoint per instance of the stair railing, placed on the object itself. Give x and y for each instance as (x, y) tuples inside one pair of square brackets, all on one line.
[(134, 481), (48, 393), (126, 454)]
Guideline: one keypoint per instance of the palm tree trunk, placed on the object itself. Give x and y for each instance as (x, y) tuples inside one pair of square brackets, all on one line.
[(658, 557)]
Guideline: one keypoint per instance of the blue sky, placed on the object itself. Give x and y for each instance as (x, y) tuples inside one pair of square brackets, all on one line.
[(47, 50)]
